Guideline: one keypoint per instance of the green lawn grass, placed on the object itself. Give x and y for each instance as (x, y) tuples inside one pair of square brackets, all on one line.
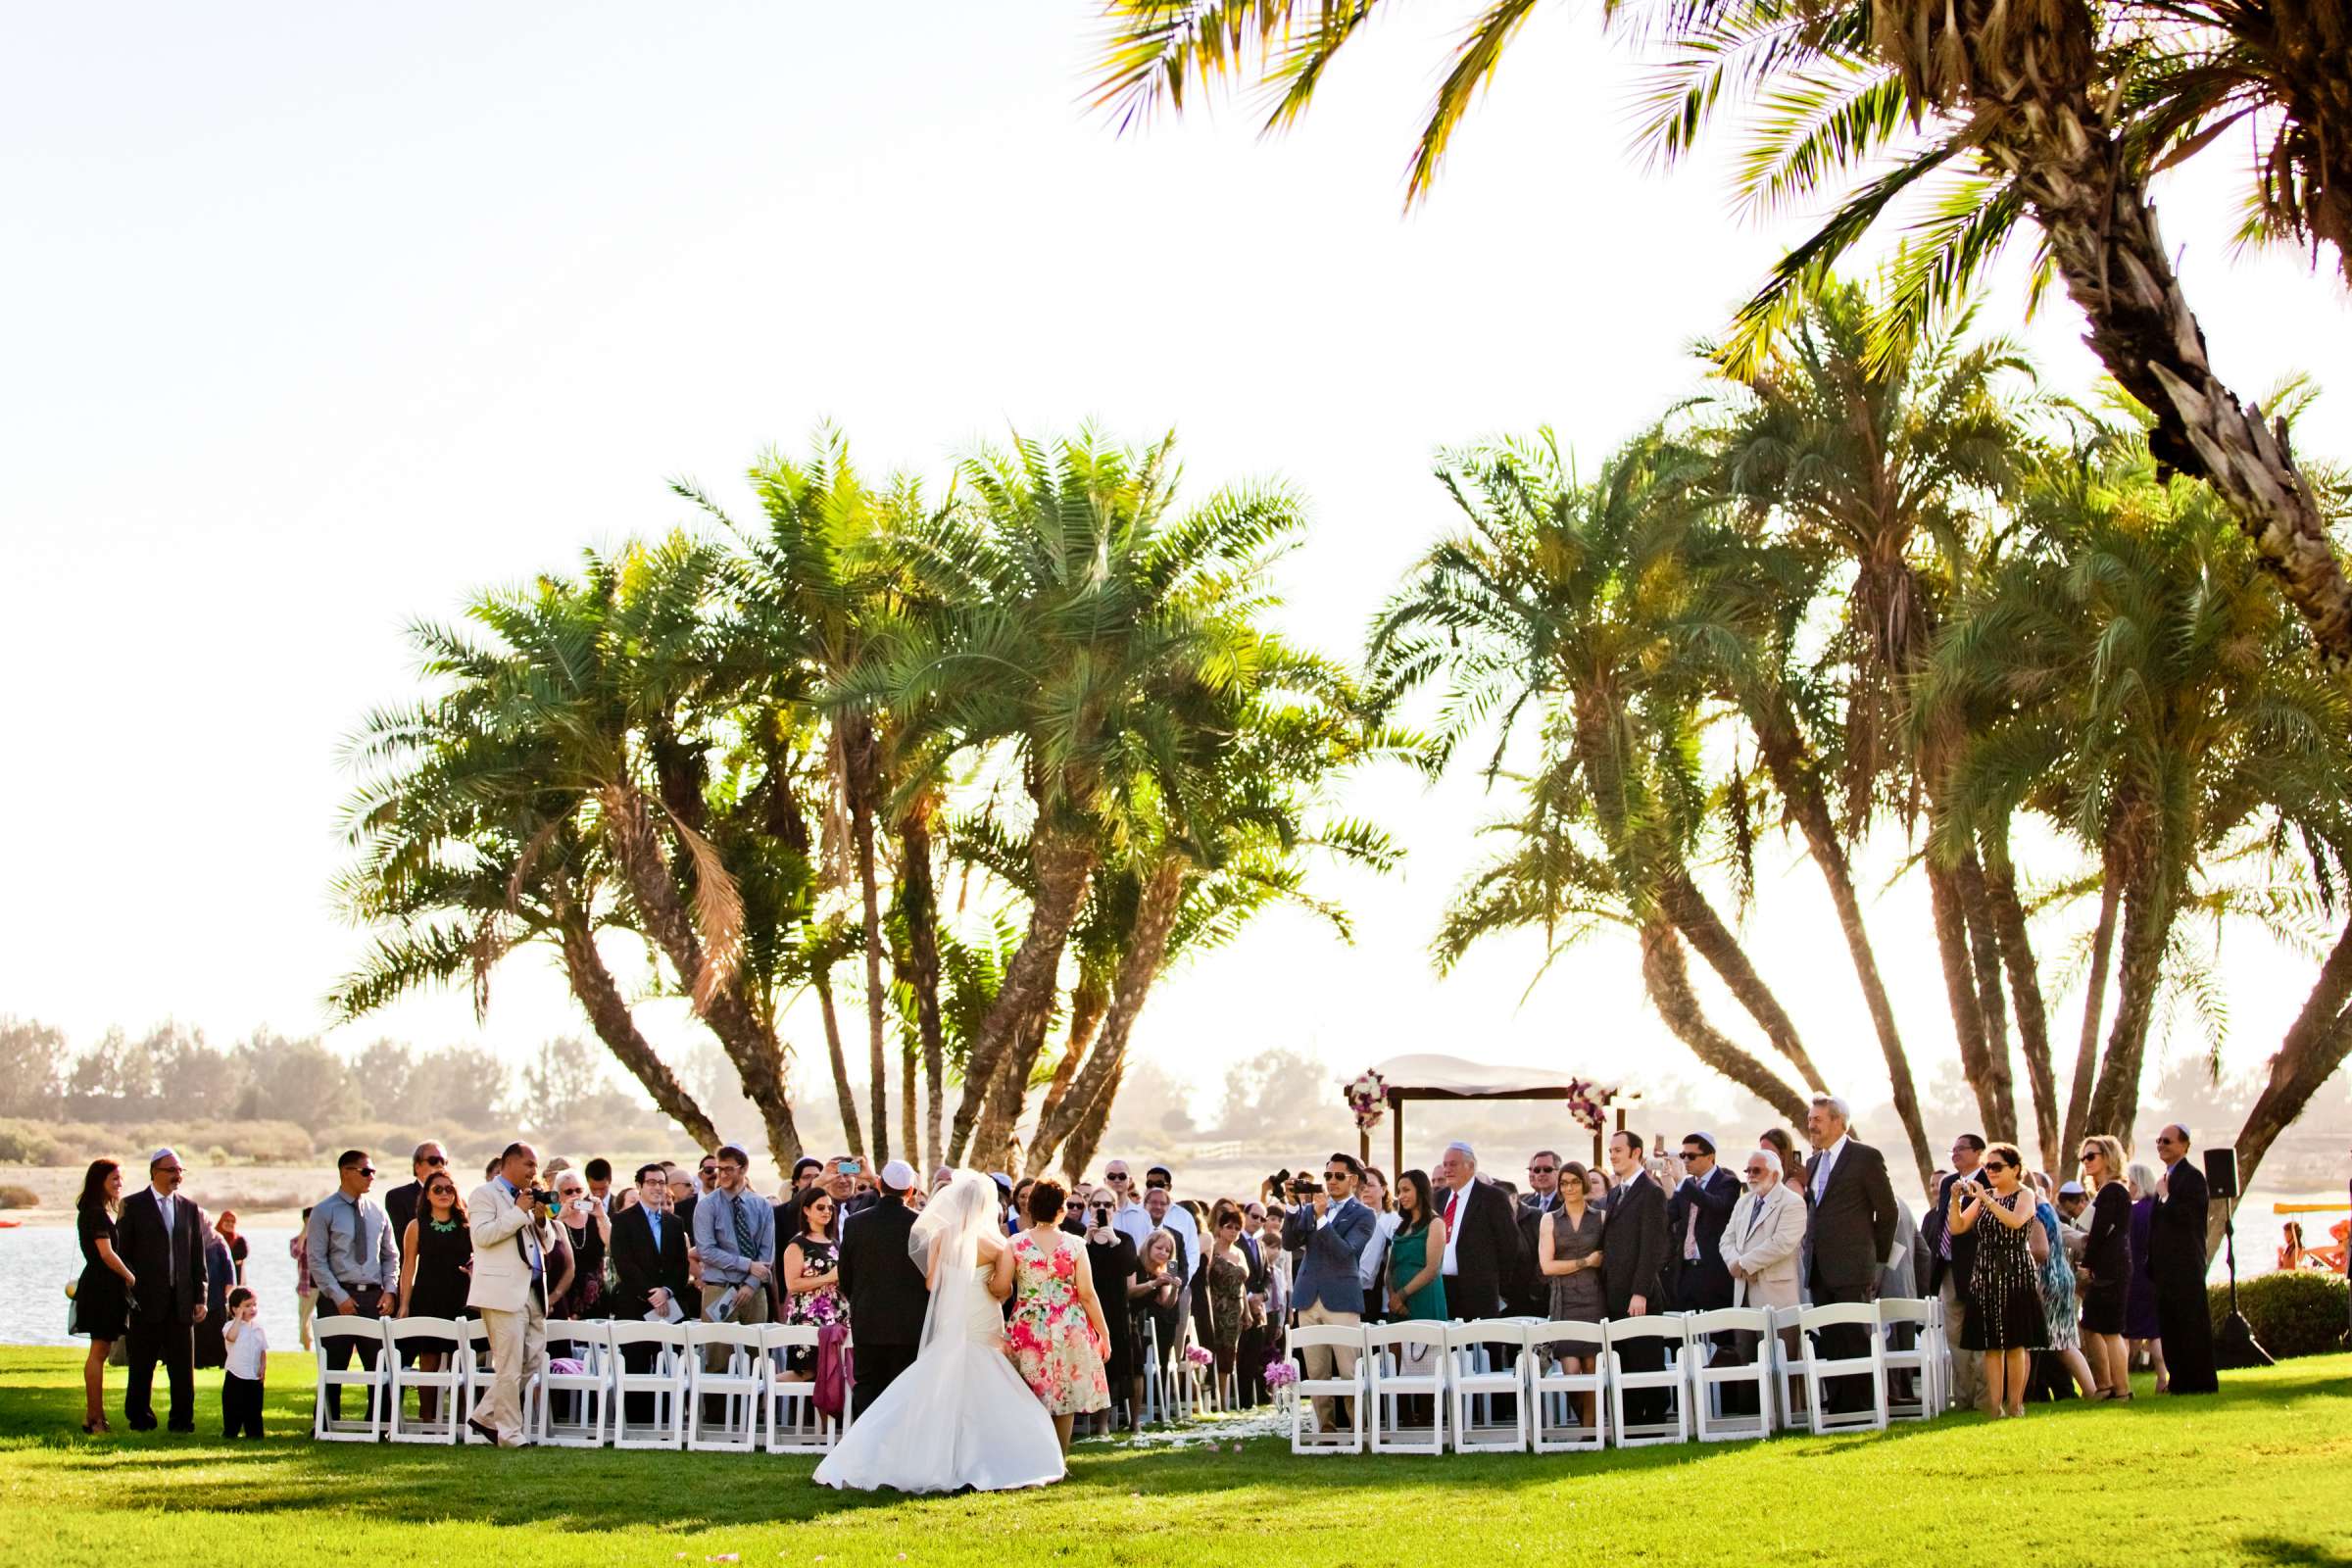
[(2259, 1475)]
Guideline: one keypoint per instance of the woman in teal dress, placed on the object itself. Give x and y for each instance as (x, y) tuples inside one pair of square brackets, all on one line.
[(1418, 1252)]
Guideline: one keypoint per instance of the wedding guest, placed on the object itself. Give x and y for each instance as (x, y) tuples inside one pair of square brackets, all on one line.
[(1278, 1268), (305, 1291), (734, 1232), (1416, 1252), (2177, 1261), (1569, 1262), (1793, 1164), (1110, 1259), (1056, 1330), (1596, 1185), (1159, 1179), (1851, 1234), (1155, 1300), (1225, 1286), (1695, 1215), (102, 1296), (225, 1226), (402, 1202), (2105, 1274), (585, 1231), (354, 1259), (1482, 1242), (884, 1289), (2141, 1329), (599, 1172), (1635, 1239), (1330, 1229), (219, 1276), (1374, 1195), (1953, 1266), (511, 1241), (2005, 1319), (1530, 1289), (436, 1255), (1073, 1211), (158, 1237), (245, 1363), (650, 1274), (812, 1276), (2061, 1309), (1764, 1237)]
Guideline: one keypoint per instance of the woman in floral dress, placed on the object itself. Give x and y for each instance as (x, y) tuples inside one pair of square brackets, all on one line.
[(812, 1279), (1057, 1333)]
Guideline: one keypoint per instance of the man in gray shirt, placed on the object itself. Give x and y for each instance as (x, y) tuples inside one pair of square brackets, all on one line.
[(735, 1232), (353, 1260)]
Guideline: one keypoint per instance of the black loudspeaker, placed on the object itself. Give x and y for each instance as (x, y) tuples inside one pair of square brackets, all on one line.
[(2221, 1173)]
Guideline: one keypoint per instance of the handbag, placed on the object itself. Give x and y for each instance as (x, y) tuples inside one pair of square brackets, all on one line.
[(73, 1308), (2038, 1241), (835, 1370)]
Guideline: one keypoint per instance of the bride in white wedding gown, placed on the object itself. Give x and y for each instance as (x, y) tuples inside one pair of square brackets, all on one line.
[(960, 1416)]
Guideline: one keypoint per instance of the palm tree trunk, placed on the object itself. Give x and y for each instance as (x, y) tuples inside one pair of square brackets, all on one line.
[(1960, 991), (1984, 963), (919, 899), (1667, 977), (1087, 1136), (2095, 1001), (609, 1014), (2313, 1047), (1000, 1109), (1064, 862), (1800, 788), (2147, 926), (1088, 1003), (1713, 941), (749, 1044), (2025, 989), (1141, 959), (861, 829), (843, 1089), (2078, 180)]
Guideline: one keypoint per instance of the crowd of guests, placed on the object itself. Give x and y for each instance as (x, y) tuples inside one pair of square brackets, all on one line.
[(2049, 1289)]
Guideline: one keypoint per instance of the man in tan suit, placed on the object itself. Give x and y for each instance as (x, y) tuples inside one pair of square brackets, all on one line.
[(510, 1290), (1764, 1236)]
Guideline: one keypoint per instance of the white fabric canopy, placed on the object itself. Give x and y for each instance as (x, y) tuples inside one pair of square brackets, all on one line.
[(1453, 1075)]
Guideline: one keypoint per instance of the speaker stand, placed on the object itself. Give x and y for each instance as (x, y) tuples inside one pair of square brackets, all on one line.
[(2234, 1346)]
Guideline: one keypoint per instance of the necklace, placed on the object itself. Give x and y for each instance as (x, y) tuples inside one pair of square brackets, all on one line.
[(444, 1226)]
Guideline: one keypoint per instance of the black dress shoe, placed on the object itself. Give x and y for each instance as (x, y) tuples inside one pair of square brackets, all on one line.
[(488, 1434), (142, 1426)]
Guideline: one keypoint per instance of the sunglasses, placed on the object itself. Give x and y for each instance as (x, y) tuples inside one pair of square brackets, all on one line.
[(1541, 1170), (1074, 1205), (1997, 1165), (365, 1170), (1157, 1185), (1114, 1176), (1335, 1175), (435, 1159)]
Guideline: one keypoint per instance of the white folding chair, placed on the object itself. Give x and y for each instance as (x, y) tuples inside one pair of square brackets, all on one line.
[(1551, 1391), (1715, 1368), (447, 1384), (1863, 1317), (1187, 1379), (1408, 1362), (723, 1401), (794, 1425), (1349, 1386), (368, 1383), (1156, 1387), (1791, 1410), (589, 1391), (1913, 1319), (1488, 1361), (481, 1372), (1939, 1349), (1671, 1380), (663, 1383)]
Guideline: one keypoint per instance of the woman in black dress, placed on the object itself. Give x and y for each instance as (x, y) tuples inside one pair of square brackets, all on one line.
[(225, 1222), (437, 1264), (102, 1296), (586, 1233), (2105, 1277), (2005, 1316), (212, 1350), (1111, 1254)]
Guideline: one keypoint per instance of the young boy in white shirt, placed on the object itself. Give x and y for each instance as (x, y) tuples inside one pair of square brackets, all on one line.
[(248, 1363)]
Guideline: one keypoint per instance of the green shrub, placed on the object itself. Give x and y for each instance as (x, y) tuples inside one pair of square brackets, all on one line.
[(25, 1142), (2292, 1312), (19, 1198)]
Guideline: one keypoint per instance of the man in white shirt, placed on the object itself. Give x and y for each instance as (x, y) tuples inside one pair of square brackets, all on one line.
[(1127, 1215)]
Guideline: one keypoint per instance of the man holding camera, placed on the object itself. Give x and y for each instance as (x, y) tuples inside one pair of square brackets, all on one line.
[(1331, 1229), (510, 1240)]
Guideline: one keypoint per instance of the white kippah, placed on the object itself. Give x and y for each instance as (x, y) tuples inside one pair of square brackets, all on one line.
[(160, 1155), (897, 1176)]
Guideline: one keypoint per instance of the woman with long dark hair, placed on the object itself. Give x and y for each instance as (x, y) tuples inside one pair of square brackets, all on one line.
[(102, 1296), (436, 1258), (1416, 1252)]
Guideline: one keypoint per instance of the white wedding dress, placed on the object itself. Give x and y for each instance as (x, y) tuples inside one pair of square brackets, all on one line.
[(961, 1415)]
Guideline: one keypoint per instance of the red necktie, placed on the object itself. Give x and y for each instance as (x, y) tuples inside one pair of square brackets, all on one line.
[(1452, 1202)]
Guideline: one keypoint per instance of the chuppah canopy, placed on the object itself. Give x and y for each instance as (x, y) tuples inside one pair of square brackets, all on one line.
[(1388, 1085)]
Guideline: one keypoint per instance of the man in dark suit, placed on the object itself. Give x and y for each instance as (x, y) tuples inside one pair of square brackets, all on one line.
[(1695, 1215), (648, 1263), (1633, 1244), (2177, 1262), (1481, 1240), (1530, 1294), (1952, 1260), (160, 1242), (1850, 1233), (885, 1290), (400, 1204)]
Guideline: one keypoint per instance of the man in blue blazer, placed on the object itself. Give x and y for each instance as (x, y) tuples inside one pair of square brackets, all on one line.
[(1332, 1231)]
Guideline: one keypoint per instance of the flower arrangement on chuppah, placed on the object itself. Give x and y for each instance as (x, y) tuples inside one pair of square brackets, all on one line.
[(1588, 1102), (1367, 1097)]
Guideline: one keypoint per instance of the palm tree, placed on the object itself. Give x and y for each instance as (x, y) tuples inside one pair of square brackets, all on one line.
[(1888, 467), (1580, 601), (1062, 621), (2059, 114), (2129, 675)]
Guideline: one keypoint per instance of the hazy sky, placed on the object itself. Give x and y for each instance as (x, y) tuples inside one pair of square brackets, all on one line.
[(319, 317)]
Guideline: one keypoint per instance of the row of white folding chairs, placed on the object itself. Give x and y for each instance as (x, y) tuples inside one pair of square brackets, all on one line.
[(1471, 1372), (711, 1387)]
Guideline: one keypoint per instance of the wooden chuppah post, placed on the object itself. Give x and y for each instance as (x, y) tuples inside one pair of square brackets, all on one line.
[(1396, 1140)]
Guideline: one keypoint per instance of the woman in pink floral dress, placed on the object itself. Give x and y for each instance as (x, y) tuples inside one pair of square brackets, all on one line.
[(1057, 1336)]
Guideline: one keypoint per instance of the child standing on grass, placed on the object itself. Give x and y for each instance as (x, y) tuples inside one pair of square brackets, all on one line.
[(248, 1361)]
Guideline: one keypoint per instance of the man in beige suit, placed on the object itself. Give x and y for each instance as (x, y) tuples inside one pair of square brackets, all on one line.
[(510, 1290), (1764, 1237)]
